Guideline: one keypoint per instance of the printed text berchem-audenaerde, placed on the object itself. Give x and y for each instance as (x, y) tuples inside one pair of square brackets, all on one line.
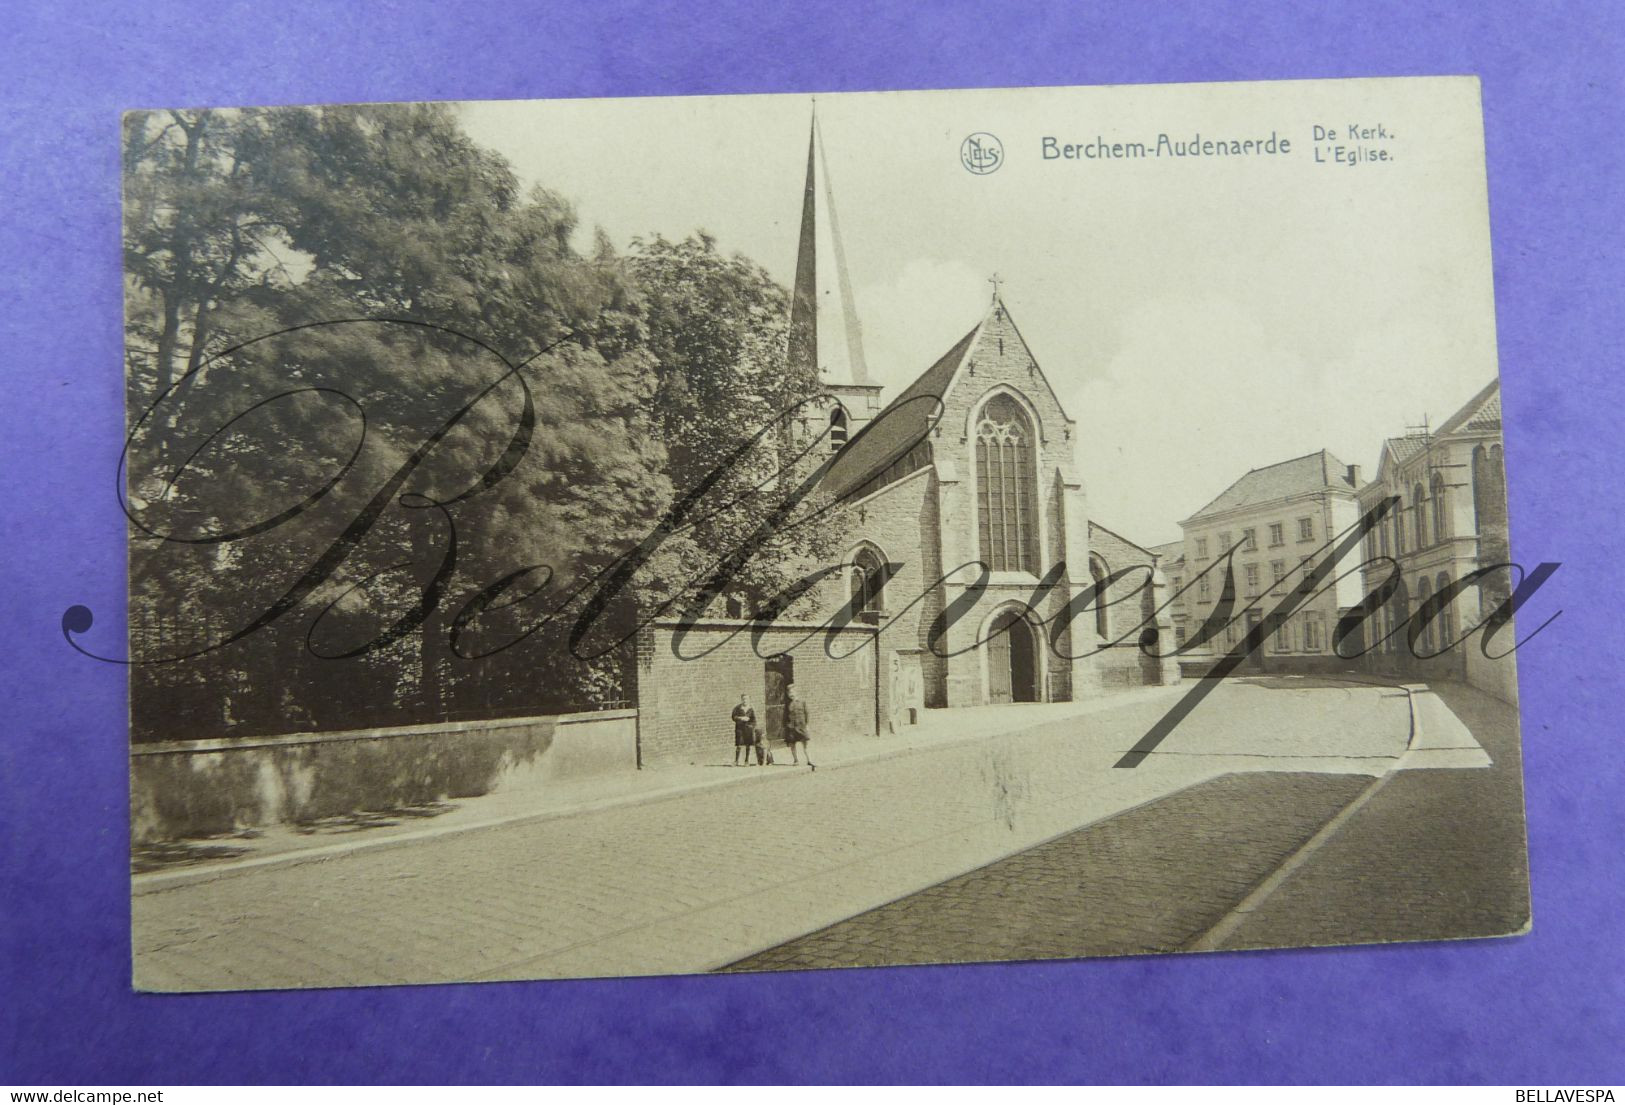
[(1166, 145)]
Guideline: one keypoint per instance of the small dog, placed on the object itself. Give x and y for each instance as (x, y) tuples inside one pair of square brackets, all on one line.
[(764, 751)]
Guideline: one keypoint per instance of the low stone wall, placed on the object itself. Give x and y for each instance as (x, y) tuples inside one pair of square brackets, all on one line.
[(201, 788)]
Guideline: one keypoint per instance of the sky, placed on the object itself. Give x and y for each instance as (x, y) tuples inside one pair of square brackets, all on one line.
[(1198, 316)]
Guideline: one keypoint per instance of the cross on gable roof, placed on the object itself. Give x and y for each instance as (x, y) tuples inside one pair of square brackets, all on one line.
[(909, 419)]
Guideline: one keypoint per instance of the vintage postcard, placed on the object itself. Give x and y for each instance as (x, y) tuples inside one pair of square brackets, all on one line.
[(627, 537)]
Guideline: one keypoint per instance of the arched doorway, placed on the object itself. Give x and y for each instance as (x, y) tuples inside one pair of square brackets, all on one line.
[(778, 673), (1012, 660)]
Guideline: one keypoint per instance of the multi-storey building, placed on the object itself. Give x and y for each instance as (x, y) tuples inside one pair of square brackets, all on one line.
[(1280, 520), (1450, 520)]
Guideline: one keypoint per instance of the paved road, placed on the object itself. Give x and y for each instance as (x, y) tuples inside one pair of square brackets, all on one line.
[(1425, 854), (1433, 855), (702, 880), (1153, 879)]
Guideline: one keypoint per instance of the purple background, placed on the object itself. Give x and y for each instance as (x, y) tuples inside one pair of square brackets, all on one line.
[(1547, 1008)]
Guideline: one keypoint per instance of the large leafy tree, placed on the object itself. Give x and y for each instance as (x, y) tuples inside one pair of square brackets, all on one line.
[(369, 377), (717, 328), (256, 241)]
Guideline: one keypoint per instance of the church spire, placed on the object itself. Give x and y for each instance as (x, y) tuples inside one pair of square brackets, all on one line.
[(824, 331)]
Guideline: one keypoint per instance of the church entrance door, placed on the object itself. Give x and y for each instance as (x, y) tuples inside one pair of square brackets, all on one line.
[(1012, 661)]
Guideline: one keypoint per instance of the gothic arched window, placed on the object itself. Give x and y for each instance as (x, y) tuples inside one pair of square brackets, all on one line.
[(837, 429), (1097, 572), (1419, 506), (1006, 499), (868, 581)]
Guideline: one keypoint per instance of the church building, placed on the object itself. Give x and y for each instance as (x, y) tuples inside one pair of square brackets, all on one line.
[(972, 464)]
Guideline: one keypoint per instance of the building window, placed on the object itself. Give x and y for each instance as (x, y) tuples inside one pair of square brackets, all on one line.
[(1224, 542), (1281, 639), (1252, 578), (1201, 548), (1419, 516), (1006, 501), (1306, 529), (1277, 573), (1441, 524), (1249, 540), (1423, 589), (1399, 529), (1277, 537), (1179, 584), (1447, 630), (868, 583), (1201, 588), (1314, 631), (1179, 635), (837, 429)]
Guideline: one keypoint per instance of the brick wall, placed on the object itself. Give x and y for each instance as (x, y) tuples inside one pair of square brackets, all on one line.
[(685, 699), (902, 523)]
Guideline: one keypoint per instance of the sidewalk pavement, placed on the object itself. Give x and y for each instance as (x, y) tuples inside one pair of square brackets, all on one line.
[(691, 875), (183, 862)]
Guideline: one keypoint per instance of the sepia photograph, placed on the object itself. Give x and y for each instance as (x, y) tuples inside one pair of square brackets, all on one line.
[(626, 537)]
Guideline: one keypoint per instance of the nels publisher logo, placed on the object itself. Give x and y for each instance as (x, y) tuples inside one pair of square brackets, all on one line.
[(981, 153)]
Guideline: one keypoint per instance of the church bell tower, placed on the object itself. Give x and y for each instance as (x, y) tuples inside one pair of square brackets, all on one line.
[(825, 336)]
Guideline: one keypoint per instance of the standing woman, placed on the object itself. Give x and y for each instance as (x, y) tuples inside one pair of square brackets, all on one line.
[(744, 719)]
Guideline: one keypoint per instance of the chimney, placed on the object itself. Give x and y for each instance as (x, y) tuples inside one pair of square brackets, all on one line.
[(1354, 475)]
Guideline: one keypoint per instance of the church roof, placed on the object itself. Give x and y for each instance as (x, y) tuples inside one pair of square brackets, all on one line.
[(1096, 527), (900, 425), (1317, 471)]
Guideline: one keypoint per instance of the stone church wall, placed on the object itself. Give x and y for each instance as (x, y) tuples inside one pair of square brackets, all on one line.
[(901, 521), (1123, 664)]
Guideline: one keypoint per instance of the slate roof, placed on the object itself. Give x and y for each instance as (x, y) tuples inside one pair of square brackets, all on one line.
[(1406, 447), (900, 425), (907, 420), (1314, 472), (1480, 414), (1171, 552)]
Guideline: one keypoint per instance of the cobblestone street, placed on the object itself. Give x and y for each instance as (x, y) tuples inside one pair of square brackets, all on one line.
[(1434, 854), (698, 881)]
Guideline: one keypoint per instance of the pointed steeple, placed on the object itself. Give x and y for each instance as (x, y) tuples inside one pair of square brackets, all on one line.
[(824, 330)]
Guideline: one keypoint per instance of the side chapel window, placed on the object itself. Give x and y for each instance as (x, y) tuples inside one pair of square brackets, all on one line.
[(1006, 498), (868, 581)]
